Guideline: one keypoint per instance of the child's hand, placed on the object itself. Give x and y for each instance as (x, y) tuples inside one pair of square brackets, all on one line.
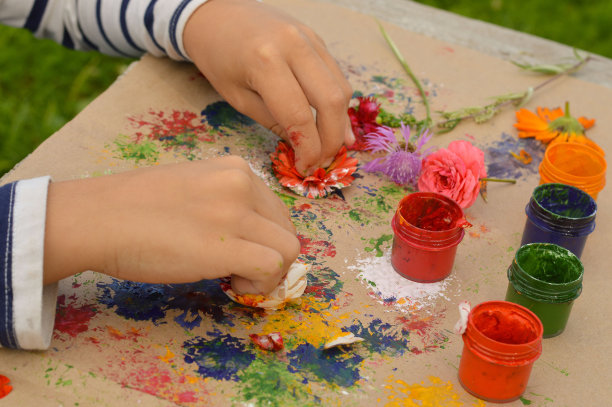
[(273, 69), (171, 224)]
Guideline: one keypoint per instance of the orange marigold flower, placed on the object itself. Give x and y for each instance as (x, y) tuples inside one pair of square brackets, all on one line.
[(554, 126), (322, 182)]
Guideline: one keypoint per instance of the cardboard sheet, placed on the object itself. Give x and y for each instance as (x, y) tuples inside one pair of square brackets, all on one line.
[(118, 343)]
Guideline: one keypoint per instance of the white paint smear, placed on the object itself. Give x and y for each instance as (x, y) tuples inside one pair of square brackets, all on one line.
[(389, 287)]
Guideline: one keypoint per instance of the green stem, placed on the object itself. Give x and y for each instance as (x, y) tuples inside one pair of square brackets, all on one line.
[(406, 67), (508, 180)]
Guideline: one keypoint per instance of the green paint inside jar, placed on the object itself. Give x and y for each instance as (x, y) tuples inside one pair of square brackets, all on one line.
[(546, 279)]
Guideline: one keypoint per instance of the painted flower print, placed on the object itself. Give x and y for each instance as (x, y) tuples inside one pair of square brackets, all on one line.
[(402, 163), (554, 126), (454, 172), (322, 182)]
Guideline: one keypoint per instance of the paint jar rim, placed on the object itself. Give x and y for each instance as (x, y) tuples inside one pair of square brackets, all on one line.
[(568, 225), (424, 238), (591, 184), (502, 353), (539, 289)]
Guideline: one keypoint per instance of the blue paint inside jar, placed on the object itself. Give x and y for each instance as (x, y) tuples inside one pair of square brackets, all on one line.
[(559, 214)]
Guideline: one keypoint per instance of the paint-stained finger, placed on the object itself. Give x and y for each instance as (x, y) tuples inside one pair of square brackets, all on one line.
[(289, 106)]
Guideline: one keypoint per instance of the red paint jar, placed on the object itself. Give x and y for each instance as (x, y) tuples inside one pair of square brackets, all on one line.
[(500, 344), (427, 228)]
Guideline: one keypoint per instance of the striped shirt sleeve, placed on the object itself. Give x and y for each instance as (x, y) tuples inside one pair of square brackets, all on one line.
[(127, 28), (27, 308)]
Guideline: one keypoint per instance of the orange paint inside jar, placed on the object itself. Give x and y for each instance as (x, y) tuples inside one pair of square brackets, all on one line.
[(574, 164), (500, 344)]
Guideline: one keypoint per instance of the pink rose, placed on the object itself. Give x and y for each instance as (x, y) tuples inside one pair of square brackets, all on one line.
[(455, 172)]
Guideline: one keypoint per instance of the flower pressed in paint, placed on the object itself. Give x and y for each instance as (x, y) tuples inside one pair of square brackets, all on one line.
[(454, 172), (363, 120), (554, 126), (402, 164), (321, 182)]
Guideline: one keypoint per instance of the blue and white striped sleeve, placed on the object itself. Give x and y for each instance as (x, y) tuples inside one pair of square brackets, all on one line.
[(27, 308), (114, 27)]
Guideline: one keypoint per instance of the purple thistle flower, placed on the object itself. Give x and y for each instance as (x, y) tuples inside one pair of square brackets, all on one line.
[(402, 164)]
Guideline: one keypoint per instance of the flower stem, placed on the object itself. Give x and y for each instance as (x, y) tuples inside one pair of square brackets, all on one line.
[(508, 180), (406, 67)]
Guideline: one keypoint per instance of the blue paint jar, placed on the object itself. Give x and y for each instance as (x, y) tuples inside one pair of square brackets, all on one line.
[(559, 214)]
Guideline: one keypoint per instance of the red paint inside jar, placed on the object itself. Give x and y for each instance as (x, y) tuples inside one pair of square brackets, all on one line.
[(501, 343), (428, 227)]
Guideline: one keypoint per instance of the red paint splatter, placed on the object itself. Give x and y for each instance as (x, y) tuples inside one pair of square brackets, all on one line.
[(5, 387), (132, 333), (449, 49), (176, 129), (304, 207), (316, 248), (187, 397), (70, 319), (296, 138)]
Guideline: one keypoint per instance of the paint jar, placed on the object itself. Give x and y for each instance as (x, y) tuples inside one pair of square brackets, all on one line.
[(559, 214), (427, 228), (500, 344), (545, 278), (574, 164)]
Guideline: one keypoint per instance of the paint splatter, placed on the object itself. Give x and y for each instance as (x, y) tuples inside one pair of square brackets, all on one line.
[(500, 163), (314, 250), (177, 131), (267, 382), (72, 319), (381, 337), (150, 302), (221, 114), (377, 244), (437, 394), (5, 386), (332, 365), (221, 357), (389, 287)]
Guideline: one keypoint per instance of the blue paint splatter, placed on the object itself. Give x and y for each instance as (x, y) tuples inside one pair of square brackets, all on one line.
[(221, 114), (324, 283), (220, 357), (333, 365), (150, 302), (501, 164), (382, 337)]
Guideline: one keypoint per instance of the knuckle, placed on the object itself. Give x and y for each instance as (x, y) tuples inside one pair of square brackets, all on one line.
[(237, 180), (337, 99)]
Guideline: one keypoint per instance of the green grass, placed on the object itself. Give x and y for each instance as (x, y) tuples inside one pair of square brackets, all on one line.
[(42, 85), (584, 24)]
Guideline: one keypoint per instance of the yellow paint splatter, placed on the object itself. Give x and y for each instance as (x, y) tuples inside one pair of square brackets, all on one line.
[(438, 394), (168, 357), (307, 324)]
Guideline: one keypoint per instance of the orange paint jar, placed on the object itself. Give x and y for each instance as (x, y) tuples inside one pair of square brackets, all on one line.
[(500, 344), (574, 164)]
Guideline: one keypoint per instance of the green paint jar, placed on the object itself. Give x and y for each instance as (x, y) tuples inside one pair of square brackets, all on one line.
[(545, 278)]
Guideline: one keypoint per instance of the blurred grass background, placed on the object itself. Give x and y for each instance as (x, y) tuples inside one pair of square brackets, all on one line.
[(42, 85)]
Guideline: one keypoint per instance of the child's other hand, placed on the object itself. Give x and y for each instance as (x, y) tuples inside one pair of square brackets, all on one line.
[(273, 68), (171, 224)]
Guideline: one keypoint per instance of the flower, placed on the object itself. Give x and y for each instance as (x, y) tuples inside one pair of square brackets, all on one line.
[(454, 172), (363, 120), (554, 126), (401, 164), (322, 181)]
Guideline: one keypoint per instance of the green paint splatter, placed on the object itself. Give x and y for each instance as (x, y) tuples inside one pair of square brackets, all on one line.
[(356, 216), (267, 382), (287, 199), (377, 243), (129, 150), (525, 401)]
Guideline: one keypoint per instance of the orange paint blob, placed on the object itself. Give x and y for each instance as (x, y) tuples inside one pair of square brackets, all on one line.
[(500, 345), (5, 387), (574, 164)]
